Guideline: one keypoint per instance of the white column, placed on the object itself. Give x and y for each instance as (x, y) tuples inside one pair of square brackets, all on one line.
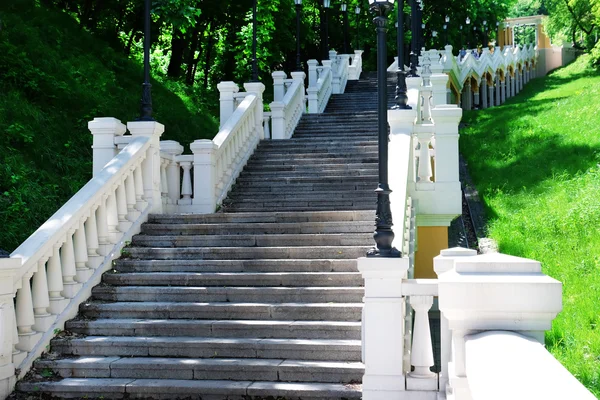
[(300, 77), (266, 126), (484, 93), (422, 350), (173, 170), (151, 165), (55, 283), (498, 90), (69, 270), (278, 122), (383, 327), (41, 300), (8, 270), (83, 273), (104, 131), (440, 89), (258, 89), (205, 194), (279, 78), (312, 72), (227, 102), (476, 97), (491, 96), (186, 186)]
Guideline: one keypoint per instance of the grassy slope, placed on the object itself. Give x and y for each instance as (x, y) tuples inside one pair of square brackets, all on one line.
[(54, 77), (536, 162)]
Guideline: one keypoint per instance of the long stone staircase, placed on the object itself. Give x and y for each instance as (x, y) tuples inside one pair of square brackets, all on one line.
[(259, 300)]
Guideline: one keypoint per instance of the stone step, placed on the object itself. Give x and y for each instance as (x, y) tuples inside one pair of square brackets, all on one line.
[(264, 217), (308, 169), (257, 228), (218, 328), (243, 195), (323, 207), (257, 240), (274, 265), (261, 311), (317, 173), (255, 279), (303, 201), (305, 188), (205, 369), (198, 347), (306, 179), (268, 162), (189, 389), (241, 294)]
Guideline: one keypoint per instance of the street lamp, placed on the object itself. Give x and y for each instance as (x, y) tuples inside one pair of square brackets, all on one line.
[(401, 96), (468, 21), (298, 11), (384, 236), (345, 12), (357, 12), (447, 20), (414, 42), (146, 103), (485, 33), (326, 4), (434, 37), (254, 64)]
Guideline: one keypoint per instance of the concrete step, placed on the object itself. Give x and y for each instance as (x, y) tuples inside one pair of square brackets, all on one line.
[(316, 173), (306, 179), (321, 207), (305, 157), (245, 196), (216, 310), (198, 347), (359, 159), (264, 217), (257, 240), (275, 265), (306, 202), (218, 328), (107, 388), (236, 294), (205, 369), (255, 279), (302, 188), (258, 227)]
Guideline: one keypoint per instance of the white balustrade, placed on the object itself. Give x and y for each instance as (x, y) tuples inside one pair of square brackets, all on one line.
[(320, 85), (355, 67), (289, 104), (54, 270)]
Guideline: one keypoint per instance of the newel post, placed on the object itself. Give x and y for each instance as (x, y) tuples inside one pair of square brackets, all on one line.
[(494, 292), (227, 102), (312, 73), (279, 78), (9, 268), (300, 76), (205, 180), (151, 165), (173, 169), (383, 327), (104, 131), (258, 89)]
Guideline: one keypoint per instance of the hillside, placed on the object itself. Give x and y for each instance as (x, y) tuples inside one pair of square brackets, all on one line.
[(536, 160), (54, 78)]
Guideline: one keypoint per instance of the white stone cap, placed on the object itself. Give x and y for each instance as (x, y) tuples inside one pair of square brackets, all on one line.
[(171, 147), (298, 75), (379, 267), (202, 145), (145, 128), (228, 86), (327, 63), (402, 121), (255, 87), (106, 125), (277, 106), (311, 63), (498, 263), (279, 75), (445, 261), (9, 268)]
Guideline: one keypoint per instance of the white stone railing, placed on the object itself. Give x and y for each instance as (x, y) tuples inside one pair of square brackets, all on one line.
[(320, 85), (218, 162), (55, 269), (355, 68), (340, 68), (484, 80), (289, 103)]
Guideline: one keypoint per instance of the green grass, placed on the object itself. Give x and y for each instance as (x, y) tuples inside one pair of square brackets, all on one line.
[(536, 161), (54, 78)]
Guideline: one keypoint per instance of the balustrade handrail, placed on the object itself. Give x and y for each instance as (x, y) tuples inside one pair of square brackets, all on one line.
[(56, 227), (355, 67), (319, 94), (239, 116)]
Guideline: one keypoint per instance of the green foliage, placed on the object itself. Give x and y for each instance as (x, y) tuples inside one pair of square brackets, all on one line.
[(572, 20), (536, 162), (54, 78)]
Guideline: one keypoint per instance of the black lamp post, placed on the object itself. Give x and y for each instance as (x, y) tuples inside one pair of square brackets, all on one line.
[(414, 42), (345, 12), (384, 236), (462, 39), (254, 64), (357, 33), (298, 11), (326, 4), (401, 97), (468, 21), (485, 33), (420, 29), (146, 106)]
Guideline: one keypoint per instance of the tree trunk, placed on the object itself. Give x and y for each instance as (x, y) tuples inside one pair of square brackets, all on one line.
[(209, 48), (178, 45), (189, 76)]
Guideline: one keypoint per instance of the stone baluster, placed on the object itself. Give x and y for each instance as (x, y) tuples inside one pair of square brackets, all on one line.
[(140, 202), (25, 316), (55, 282), (512, 84), (69, 270), (484, 93), (121, 196), (266, 124), (83, 273), (186, 185), (104, 245), (491, 95), (164, 188), (476, 96), (498, 89), (424, 171), (112, 217), (173, 170), (132, 213), (91, 239), (503, 92), (41, 299), (422, 349)]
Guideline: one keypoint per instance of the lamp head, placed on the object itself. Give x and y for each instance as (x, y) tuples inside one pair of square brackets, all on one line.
[(326, 3), (447, 19), (357, 10), (298, 2), (344, 7), (468, 20)]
